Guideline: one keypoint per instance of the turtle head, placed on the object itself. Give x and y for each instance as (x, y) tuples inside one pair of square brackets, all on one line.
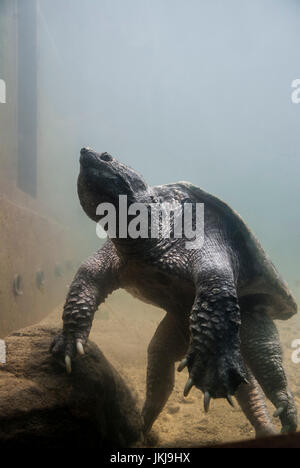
[(102, 179)]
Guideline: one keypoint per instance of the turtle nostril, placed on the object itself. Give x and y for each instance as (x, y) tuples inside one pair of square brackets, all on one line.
[(84, 150), (106, 157)]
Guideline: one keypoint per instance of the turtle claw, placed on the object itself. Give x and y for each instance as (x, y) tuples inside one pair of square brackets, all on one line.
[(79, 347), (188, 387), (182, 365), (278, 411), (68, 364), (230, 400), (207, 399)]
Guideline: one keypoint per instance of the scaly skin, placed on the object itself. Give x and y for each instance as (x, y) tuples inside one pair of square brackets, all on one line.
[(95, 279), (262, 351), (214, 359), (228, 347), (252, 402)]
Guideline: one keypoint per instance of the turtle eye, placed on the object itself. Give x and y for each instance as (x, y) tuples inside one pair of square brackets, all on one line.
[(106, 157)]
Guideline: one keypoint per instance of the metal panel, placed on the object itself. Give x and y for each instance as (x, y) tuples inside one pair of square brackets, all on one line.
[(27, 96)]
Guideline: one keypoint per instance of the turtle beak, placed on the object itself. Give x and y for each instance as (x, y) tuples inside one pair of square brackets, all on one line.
[(90, 158)]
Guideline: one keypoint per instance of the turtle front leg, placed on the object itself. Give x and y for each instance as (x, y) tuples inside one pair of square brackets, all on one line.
[(262, 351), (95, 279), (214, 359)]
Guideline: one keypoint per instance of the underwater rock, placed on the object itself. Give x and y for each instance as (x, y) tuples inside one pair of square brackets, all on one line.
[(41, 405)]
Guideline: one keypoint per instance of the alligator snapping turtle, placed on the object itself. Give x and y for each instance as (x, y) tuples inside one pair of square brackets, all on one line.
[(220, 298)]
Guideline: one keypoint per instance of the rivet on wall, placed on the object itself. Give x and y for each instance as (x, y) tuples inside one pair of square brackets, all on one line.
[(18, 285), (40, 279), (58, 271), (69, 265)]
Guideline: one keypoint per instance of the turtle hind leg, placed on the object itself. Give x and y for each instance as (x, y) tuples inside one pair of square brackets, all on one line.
[(167, 346), (262, 351), (253, 404)]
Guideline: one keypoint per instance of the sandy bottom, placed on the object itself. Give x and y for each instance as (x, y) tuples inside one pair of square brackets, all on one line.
[(123, 327)]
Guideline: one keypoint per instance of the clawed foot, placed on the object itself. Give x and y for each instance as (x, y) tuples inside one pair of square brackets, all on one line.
[(216, 377), (287, 412), (66, 346)]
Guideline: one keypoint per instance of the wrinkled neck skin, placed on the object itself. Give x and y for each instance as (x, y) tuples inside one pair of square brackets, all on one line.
[(135, 248), (140, 247)]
